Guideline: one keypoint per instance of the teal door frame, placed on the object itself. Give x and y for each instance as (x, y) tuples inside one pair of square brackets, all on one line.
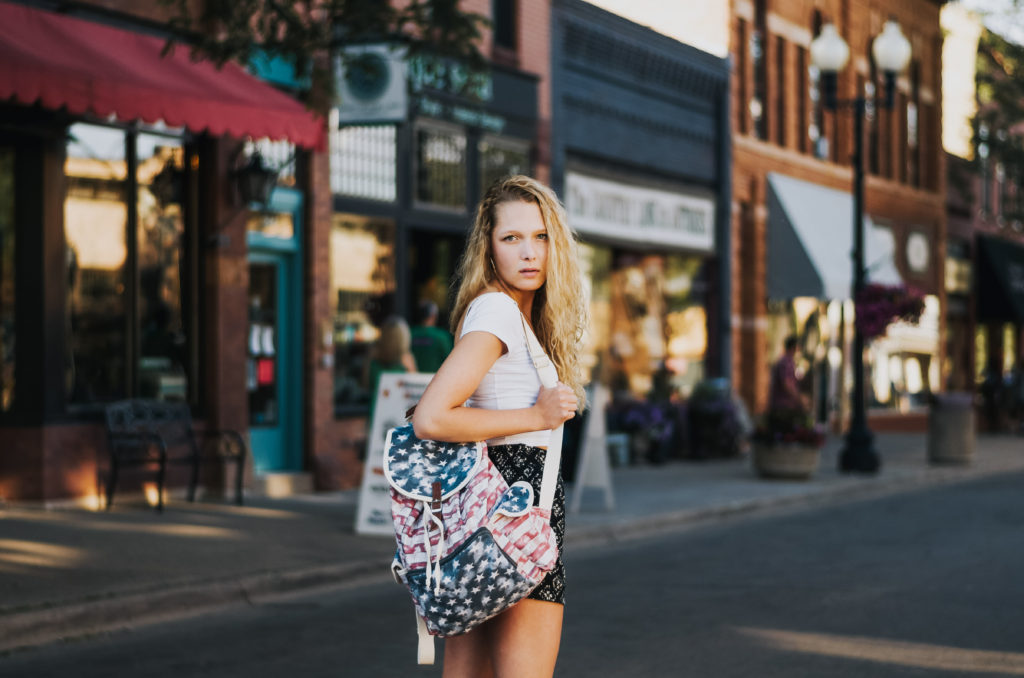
[(280, 447)]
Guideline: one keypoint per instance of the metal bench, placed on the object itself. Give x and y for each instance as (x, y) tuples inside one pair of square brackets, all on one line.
[(156, 433)]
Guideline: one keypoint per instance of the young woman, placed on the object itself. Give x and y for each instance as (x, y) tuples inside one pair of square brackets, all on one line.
[(520, 263)]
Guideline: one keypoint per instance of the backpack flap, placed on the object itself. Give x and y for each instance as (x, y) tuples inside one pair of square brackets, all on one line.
[(412, 466)]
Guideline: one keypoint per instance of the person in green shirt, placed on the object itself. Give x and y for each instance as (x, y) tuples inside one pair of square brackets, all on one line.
[(430, 343)]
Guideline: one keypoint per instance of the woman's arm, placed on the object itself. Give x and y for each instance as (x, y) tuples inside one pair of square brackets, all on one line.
[(441, 416)]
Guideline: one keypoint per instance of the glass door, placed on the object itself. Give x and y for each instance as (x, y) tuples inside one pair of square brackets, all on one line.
[(262, 367), (265, 380), (273, 337)]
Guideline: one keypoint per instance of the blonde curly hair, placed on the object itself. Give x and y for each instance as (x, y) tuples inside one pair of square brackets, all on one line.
[(559, 308)]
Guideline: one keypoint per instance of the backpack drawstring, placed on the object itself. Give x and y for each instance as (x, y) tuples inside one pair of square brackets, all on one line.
[(435, 571)]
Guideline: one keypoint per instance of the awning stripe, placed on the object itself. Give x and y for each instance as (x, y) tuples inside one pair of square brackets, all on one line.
[(64, 62), (810, 242)]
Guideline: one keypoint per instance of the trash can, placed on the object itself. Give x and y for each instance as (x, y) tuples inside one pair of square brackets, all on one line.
[(951, 428)]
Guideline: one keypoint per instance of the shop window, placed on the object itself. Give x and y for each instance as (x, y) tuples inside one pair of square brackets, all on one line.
[(759, 61), (816, 128), (596, 264), (7, 296), (984, 167), (742, 33), (903, 364), (441, 167), (501, 158), (433, 262), (127, 270), (658, 325), (263, 365), (162, 363), (363, 162), (362, 284), (980, 352), (801, 98), (504, 18), (1009, 347), (781, 83), (1002, 192), (913, 126)]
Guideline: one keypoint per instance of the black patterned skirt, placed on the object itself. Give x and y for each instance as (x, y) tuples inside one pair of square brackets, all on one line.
[(524, 462)]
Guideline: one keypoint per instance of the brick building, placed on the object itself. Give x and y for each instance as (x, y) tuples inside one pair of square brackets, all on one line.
[(124, 238), (985, 242), (792, 180), (640, 154), (164, 284)]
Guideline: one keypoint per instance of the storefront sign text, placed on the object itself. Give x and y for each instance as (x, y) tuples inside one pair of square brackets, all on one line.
[(450, 77), (644, 215), (432, 108)]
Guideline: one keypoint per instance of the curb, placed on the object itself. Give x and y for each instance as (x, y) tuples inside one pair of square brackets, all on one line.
[(872, 487), (54, 622), (24, 628)]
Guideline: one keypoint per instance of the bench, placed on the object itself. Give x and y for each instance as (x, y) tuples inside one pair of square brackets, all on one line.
[(156, 433)]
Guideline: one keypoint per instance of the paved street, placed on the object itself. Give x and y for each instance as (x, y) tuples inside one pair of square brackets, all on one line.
[(924, 583)]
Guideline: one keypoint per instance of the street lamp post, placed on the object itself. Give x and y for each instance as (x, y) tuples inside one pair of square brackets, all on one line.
[(829, 54)]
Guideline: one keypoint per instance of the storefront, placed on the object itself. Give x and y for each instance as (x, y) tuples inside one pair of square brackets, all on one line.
[(122, 239), (640, 155), (405, 192), (999, 331), (808, 284)]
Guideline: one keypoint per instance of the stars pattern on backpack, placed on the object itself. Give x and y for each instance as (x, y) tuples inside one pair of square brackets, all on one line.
[(413, 465), (479, 579)]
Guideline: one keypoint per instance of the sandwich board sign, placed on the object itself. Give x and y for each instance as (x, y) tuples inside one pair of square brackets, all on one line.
[(396, 393)]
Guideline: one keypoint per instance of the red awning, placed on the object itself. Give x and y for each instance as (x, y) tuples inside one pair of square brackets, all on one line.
[(64, 62)]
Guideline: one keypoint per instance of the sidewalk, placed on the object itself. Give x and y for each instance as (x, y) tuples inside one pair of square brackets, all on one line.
[(66, 573)]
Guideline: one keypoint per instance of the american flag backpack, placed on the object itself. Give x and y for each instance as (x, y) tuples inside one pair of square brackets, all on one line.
[(469, 545)]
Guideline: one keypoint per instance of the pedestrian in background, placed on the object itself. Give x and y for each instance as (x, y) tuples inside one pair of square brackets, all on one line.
[(520, 265), (391, 353), (784, 395), (430, 344)]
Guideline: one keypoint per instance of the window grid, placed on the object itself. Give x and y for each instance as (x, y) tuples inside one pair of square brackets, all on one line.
[(500, 158), (363, 162), (441, 167)]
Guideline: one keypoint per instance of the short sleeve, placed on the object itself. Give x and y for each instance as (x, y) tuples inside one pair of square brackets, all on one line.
[(497, 314)]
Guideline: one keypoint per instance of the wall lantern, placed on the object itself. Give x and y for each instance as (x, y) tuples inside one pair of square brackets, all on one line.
[(255, 181)]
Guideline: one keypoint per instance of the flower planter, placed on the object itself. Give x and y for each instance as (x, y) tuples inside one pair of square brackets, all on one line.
[(793, 461)]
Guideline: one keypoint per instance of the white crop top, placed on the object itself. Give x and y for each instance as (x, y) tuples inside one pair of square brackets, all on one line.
[(512, 382)]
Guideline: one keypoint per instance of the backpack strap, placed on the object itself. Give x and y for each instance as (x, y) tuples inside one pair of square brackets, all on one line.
[(549, 379), (425, 648)]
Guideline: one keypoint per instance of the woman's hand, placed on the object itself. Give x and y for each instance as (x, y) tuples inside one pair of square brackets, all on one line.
[(556, 405)]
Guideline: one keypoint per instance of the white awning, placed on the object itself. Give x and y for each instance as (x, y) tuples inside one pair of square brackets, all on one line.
[(810, 242)]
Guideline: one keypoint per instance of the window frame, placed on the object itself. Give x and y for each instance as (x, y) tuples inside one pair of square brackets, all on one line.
[(509, 143), (468, 150), (192, 311)]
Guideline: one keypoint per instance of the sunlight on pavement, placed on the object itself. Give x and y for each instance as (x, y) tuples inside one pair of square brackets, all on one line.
[(918, 655), (18, 552), (79, 521)]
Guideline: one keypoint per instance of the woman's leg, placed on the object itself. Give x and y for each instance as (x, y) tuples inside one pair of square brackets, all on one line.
[(469, 655), (526, 639)]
